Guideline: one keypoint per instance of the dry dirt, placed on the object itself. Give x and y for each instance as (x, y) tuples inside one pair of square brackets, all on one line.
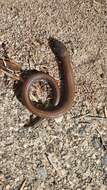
[(68, 153)]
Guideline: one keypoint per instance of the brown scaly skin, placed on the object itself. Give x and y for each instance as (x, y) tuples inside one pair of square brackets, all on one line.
[(62, 103)]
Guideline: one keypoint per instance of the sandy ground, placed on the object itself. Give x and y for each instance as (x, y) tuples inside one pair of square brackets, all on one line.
[(68, 153)]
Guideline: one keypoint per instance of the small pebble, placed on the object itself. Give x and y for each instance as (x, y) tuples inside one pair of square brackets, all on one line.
[(41, 173), (7, 187), (88, 188), (59, 119), (104, 160), (103, 187), (96, 141)]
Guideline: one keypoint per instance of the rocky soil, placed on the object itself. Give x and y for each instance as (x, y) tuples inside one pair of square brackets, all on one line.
[(70, 152)]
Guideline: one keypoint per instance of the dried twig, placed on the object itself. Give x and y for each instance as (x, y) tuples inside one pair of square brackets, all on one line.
[(101, 140), (23, 184), (52, 159), (86, 115), (105, 111), (96, 116), (11, 75)]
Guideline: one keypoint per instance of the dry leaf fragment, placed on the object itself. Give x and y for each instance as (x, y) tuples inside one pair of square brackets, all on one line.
[(10, 64)]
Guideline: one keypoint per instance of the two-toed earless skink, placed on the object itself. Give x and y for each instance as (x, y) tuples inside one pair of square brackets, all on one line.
[(64, 99)]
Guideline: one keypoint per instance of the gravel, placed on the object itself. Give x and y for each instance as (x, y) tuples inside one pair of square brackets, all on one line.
[(68, 152)]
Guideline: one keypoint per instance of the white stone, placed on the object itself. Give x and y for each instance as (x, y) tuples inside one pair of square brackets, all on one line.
[(59, 119)]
